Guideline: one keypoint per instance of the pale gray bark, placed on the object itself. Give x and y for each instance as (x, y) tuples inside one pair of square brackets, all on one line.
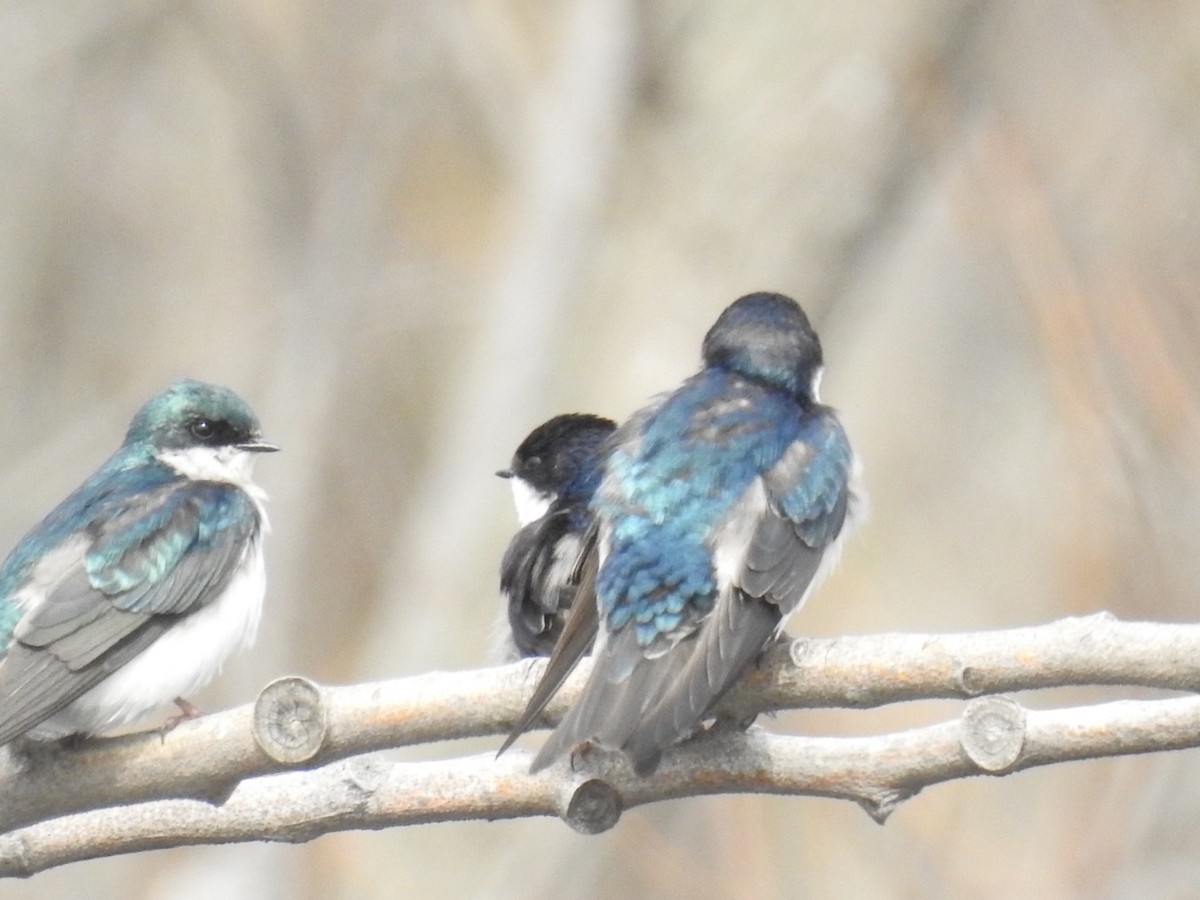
[(223, 777)]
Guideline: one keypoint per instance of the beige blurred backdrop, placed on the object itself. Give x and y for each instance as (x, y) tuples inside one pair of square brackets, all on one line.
[(407, 232)]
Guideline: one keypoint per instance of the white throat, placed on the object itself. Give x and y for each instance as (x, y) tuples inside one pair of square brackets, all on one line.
[(228, 464), (211, 463), (531, 504)]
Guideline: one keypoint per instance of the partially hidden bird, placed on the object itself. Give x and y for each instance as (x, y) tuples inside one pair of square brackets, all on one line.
[(721, 505), (135, 589), (554, 473)]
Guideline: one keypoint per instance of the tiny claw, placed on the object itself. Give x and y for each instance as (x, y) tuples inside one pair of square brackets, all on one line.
[(187, 710), (579, 753)]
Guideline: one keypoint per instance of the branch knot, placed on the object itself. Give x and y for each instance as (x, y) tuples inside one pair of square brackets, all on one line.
[(290, 720), (595, 807), (993, 732)]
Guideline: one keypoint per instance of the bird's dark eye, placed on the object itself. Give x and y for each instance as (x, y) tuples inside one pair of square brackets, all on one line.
[(534, 462), (202, 429)]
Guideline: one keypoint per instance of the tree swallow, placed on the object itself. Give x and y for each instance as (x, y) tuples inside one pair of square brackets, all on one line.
[(138, 586), (721, 505), (553, 475)]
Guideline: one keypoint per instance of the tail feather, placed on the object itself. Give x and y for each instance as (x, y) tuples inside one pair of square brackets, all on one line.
[(719, 655), (689, 680), (612, 705)]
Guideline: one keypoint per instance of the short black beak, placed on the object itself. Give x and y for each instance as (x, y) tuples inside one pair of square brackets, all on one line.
[(505, 473), (257, 445)]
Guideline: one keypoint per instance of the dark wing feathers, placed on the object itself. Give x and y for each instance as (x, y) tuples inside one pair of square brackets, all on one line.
[(721, 654), (92, 640), (153, 556), (578, 635), (527, 615), (807, 499), (609, 707), (164, 553), (529, 577), (45, 684), (74, 607), (780, 565), (661, 700), (198, 576), (76, 625)]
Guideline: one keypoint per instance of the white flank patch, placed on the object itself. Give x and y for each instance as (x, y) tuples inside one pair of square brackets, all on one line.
[(732, 542), (566, 554), (531, 504), (181, 661)]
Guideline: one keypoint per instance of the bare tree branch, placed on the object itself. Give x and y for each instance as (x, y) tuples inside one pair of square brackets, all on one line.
[(222, 778)]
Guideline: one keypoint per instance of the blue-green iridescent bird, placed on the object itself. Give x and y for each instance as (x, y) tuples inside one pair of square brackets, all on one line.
[(721, 505), (135, 589)]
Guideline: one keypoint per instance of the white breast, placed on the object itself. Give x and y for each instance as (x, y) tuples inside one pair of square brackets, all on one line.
[(181, 661)]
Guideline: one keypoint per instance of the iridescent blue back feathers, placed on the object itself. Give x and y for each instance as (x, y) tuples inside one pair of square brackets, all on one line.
[(720, 506)]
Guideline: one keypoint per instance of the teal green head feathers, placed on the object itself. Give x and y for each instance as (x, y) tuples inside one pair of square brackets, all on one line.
[(194, 413)]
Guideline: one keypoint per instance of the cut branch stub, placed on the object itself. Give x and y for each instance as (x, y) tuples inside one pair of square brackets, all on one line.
[(290, 720), (993, 732), (595, 806)]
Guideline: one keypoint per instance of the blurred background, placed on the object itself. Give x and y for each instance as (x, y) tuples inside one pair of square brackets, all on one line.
[(408, 232)]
